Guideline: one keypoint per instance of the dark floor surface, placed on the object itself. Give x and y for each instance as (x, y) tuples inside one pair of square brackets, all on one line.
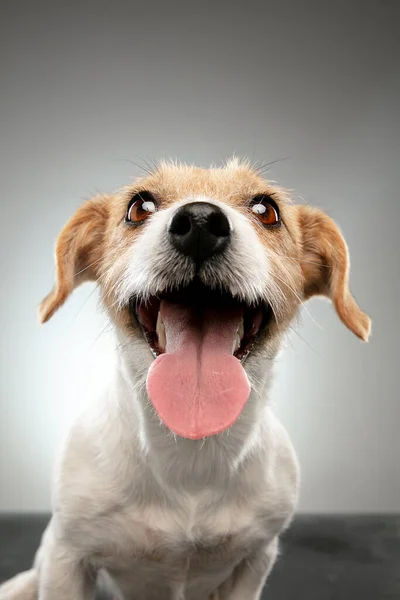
[(322, 558)]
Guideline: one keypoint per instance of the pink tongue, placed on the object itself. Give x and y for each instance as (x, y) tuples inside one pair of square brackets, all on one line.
[(198, 387)]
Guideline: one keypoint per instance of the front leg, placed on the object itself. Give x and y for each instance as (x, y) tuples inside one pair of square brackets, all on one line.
[(63, 576), (247, 580)]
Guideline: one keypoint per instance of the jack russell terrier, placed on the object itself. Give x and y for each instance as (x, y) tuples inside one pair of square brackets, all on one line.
[(176, 484)]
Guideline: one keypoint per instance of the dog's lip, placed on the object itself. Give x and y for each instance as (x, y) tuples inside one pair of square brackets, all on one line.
[(146, 312)]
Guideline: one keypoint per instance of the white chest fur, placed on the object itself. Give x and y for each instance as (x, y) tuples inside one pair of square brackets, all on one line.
[(193, 523), (200, 519), (193, 547)]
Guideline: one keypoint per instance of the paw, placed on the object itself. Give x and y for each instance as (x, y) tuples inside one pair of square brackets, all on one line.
[(21, 587)]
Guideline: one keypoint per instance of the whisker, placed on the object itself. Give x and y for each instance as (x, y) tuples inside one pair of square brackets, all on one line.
[(263, 167), (108, 326), (304, 340), (145, 169), (299, 299), (88, 266), (151, 164), (86, 301), (301, 260)]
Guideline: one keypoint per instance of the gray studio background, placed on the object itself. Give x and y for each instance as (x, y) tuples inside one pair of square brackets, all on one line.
[(87, 87)]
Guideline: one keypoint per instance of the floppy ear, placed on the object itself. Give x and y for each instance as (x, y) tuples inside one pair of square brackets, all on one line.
[(326, 268), (79, 249)]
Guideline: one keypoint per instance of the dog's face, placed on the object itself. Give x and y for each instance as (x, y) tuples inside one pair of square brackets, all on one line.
[(203, 270)]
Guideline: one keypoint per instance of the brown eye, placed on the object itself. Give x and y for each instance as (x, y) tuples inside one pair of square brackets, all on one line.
[(265, 210), (141, 206)]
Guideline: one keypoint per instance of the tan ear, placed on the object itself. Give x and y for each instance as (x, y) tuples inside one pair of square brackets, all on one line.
[(79, 249), (326, 268)]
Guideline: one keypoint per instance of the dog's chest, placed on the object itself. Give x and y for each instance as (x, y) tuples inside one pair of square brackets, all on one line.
[(172, 554), (194, 535)]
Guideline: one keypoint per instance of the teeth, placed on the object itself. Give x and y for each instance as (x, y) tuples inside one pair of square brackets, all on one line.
[(240, 331), (238, 337), (236, 344), (160, 330)]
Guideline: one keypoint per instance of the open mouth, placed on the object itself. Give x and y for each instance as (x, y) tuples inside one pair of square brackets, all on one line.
[(200, 337), (201, 301)]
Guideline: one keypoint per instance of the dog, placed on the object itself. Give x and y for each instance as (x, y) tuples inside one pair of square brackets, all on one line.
[(177, 483)]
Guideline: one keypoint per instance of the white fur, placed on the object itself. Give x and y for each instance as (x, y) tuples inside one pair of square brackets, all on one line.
[(153, 516), (154, 266)]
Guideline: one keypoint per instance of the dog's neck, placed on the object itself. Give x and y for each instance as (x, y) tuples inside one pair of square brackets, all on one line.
[(182, 463)]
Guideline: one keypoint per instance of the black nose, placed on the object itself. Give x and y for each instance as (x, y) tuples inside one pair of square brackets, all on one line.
[(199, 230)]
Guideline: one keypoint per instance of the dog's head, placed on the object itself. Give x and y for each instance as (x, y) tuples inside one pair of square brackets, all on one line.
[(203, 270)]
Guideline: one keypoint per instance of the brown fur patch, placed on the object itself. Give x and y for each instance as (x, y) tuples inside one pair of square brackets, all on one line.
[(78, 253), (326, 268)]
